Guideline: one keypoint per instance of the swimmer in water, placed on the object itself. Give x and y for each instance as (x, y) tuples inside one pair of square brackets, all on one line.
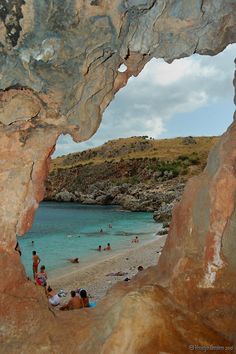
[(73, 260), (108, 248)]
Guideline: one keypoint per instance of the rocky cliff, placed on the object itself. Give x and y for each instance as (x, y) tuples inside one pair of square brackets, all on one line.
[(59, 69), (138, 173)]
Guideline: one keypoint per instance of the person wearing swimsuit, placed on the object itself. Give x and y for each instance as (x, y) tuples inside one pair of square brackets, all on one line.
[(36, 261)]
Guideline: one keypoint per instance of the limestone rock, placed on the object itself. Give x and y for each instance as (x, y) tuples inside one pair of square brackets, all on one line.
[(65, 196), (63, 58)]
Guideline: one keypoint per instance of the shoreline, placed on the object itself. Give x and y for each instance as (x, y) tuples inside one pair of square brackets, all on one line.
[(71, 268), (93, 277)]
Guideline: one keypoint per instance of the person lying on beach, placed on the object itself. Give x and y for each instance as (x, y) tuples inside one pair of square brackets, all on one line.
[(135, 240), (118, 274), (108, 248), (99, 248), (41, 277), (74, 303), (73, 260), (53, 298)]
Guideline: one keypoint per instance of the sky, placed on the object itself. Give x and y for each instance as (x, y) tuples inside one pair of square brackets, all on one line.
[(191, 96)]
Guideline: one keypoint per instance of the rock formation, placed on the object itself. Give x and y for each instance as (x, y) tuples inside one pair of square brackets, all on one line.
[(59, 64)]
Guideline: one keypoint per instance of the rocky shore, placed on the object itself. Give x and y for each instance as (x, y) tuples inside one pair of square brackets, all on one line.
[(157, 198)]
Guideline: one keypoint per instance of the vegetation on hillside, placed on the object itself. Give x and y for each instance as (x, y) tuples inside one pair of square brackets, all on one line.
[(178, 156)]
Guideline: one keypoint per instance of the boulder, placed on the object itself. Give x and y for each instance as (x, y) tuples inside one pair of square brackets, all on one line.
[(65, 196)]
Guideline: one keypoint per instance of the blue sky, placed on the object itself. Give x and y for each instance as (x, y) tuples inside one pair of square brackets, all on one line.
[(191, 96)]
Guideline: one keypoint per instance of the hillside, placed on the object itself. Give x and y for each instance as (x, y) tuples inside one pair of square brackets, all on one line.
[(138, 173)]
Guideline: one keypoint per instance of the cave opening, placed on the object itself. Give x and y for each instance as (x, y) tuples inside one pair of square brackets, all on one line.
[(58, 77), (186, 87)]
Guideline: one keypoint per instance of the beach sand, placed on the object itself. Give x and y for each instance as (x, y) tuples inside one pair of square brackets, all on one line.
[(93, 277)]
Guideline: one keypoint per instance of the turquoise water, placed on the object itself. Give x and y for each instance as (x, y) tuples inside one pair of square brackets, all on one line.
[(69, 230)]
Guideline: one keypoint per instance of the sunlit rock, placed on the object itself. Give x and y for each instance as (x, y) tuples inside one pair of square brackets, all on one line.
[(59, 64)]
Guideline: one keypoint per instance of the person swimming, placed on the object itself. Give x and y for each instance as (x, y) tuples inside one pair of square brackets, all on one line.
[(108, 247), (73, 260)]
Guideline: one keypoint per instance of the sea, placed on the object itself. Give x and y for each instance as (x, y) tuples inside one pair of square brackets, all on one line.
[(69, 230)]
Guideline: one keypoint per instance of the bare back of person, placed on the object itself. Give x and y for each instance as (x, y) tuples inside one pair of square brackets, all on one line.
[(75, 303)]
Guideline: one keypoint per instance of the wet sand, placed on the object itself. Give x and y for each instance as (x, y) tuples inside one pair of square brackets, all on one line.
[(93, 277)]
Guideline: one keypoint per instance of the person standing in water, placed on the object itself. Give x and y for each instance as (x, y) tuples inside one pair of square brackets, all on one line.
[(108, 248), (99, 248), (36, 261), (135, 240)]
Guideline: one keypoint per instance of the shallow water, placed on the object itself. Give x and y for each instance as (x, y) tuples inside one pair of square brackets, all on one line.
[(69, 230)]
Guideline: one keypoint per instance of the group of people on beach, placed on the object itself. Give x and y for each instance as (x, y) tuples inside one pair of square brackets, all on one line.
[(79, 298)]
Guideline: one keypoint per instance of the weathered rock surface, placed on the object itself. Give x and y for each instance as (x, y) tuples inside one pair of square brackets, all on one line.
[(201, 243), (59, 65), (141, 197)]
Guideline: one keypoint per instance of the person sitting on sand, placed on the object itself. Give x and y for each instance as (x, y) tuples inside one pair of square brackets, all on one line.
[(99, 248), (83, 296), (53, 298), (108, 248), (73, 260), (41, 277), (135, 240), (36, 261), (73, 304)]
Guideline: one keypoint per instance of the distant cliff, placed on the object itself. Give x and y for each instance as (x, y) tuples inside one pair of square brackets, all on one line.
[(138, 173)]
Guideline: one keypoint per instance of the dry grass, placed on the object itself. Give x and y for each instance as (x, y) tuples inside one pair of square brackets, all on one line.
[(137, 147)]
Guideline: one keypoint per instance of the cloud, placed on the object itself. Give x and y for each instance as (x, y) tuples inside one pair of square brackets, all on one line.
[(159, 93)]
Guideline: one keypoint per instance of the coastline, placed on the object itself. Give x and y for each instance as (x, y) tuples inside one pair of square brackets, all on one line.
[(93, 277)]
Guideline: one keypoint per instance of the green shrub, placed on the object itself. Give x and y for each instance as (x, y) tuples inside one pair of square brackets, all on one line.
[(183, 157), (194, 160)]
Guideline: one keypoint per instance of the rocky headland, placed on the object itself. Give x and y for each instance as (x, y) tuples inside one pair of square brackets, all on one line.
[(138, 173)]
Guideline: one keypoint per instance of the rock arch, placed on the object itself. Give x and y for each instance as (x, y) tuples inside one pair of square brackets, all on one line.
[(59, 64)]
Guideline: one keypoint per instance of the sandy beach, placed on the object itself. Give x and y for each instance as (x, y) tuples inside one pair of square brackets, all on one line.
[(94, 278)]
